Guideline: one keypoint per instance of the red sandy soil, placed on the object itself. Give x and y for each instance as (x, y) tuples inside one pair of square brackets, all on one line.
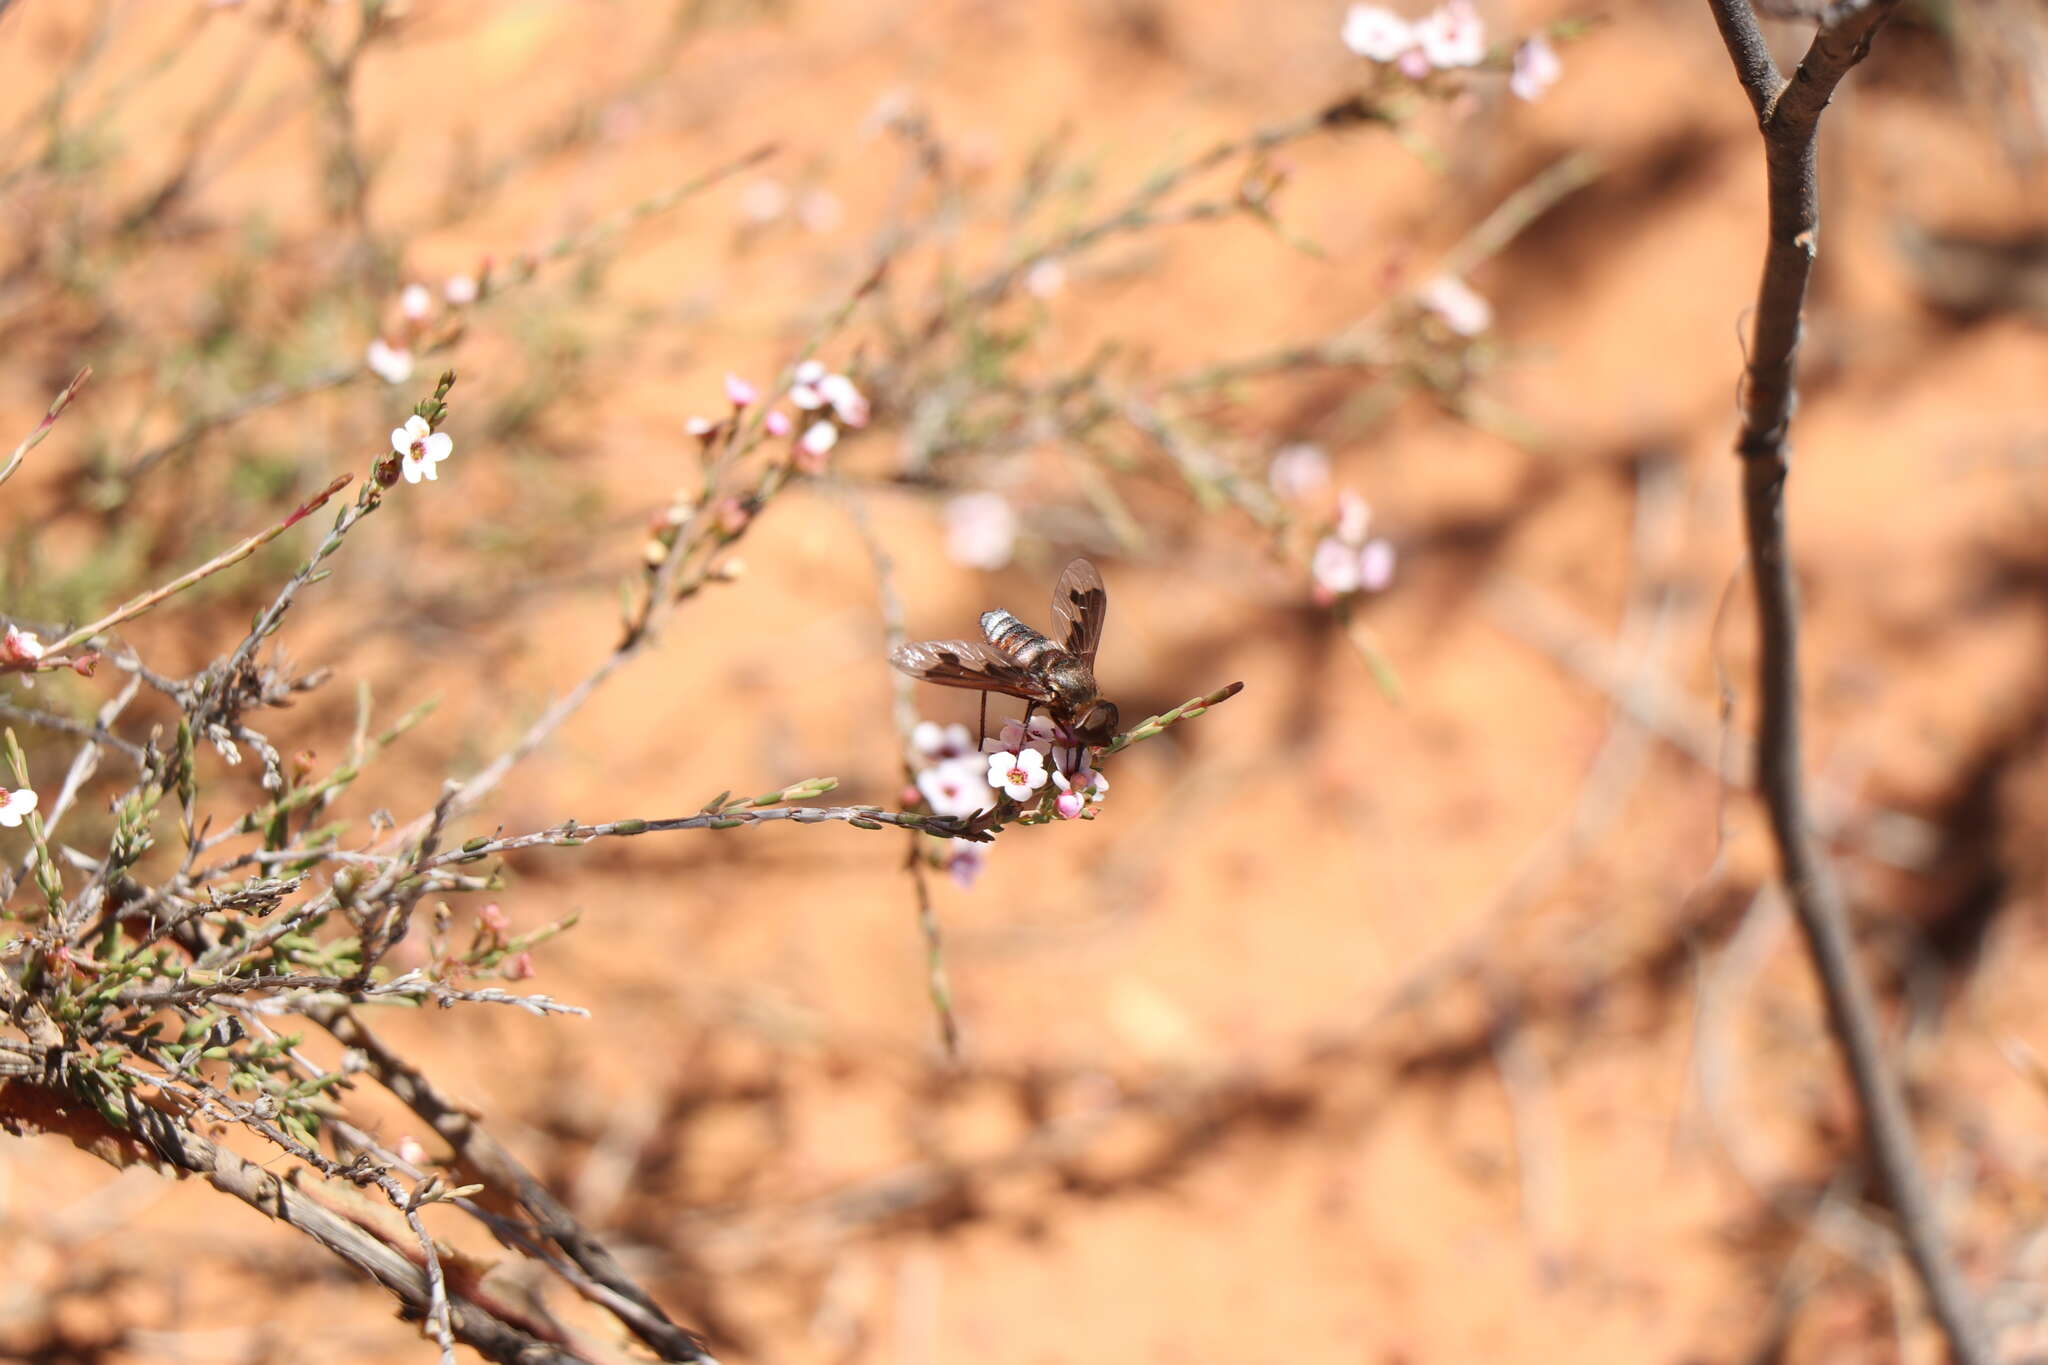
[(1331, 1040)]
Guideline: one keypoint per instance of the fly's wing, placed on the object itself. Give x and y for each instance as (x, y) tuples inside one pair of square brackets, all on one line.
[(967, 663), (1080, 604)]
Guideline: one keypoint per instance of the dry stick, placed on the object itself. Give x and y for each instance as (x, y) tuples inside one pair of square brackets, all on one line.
[(154, 1137), (499, 1169), (1788, 114), (34, 438), (155, 597)]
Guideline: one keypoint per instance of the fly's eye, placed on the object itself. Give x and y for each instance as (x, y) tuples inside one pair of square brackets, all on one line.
[(1100, 722)]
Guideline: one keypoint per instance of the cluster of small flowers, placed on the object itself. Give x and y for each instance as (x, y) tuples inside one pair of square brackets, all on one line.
[(955, 778), (1448, 37), (826, 403), (981, 530), (1347, 559), (392, 360)]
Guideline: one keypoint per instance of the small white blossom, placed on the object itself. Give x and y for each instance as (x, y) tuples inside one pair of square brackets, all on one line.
[(776, 423), (1354, 517), (20, 646), (1462, 310), (1045, 279), (803, 390), (1042, 734), (1414, 64), (1377, 34), (460, 290), (820, 211), (981, 530), (700, 427), (819, 438), (1299, 471), (392, 364), (415, 302), (421, 448), (954, 786), (739, 392), (1017, 775), (764, 201), (848, 402), (1334, 567), (1536, 68), (1376, 565), (934, 741), (1452, 35), (15, 805)]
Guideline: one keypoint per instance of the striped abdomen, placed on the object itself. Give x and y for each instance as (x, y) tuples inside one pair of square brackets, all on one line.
[(1016, 639)]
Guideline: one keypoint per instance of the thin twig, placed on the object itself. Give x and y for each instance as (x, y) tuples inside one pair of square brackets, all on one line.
[(34, 438), (1788, 115)]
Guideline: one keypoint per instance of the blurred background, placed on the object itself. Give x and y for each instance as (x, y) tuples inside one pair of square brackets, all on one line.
[(1429, 1000)]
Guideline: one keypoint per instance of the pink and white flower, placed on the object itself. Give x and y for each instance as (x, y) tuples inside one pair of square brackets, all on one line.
[(1299, 471), (1452, 35), (1462, 310), (20, 648), (16, 805), (815, 444), (981, 530), (1017, 775), (803, 391), (739, 392), (392, 364), (954, 786), (460, 290), (933, 741), (1078, 790), (849, 404), (421, 448), (776, 423), (1348, 560), (1376, 34), (415, 301), (1536, 68)]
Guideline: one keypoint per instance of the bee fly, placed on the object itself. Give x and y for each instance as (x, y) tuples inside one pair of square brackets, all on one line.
[(1017, 661)]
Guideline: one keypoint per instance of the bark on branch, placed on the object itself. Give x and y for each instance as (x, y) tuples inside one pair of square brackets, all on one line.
[(1788, 114)]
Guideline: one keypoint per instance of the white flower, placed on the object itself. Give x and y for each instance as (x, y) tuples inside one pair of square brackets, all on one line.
[(1377, 34), (820, 211), (1299, 471), (818, 439), (847, 401), (932, 740), (1017, 775), (460, 290), (1042, 734), (981, 530), (1334, 567), (1045, 279), (739, 392), (1452, 35), (15, 805), (803, 391), (953, 786), (1376, 565), (1462, 310), (415, 302), (20, 647), (392, 364), (776, 423), (1536, 68), (764, 201), (1414, 64), (422, 448), (1354, 517), (700, 427)]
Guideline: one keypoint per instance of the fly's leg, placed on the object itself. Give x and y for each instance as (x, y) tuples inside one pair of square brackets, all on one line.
[(981, 733)]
